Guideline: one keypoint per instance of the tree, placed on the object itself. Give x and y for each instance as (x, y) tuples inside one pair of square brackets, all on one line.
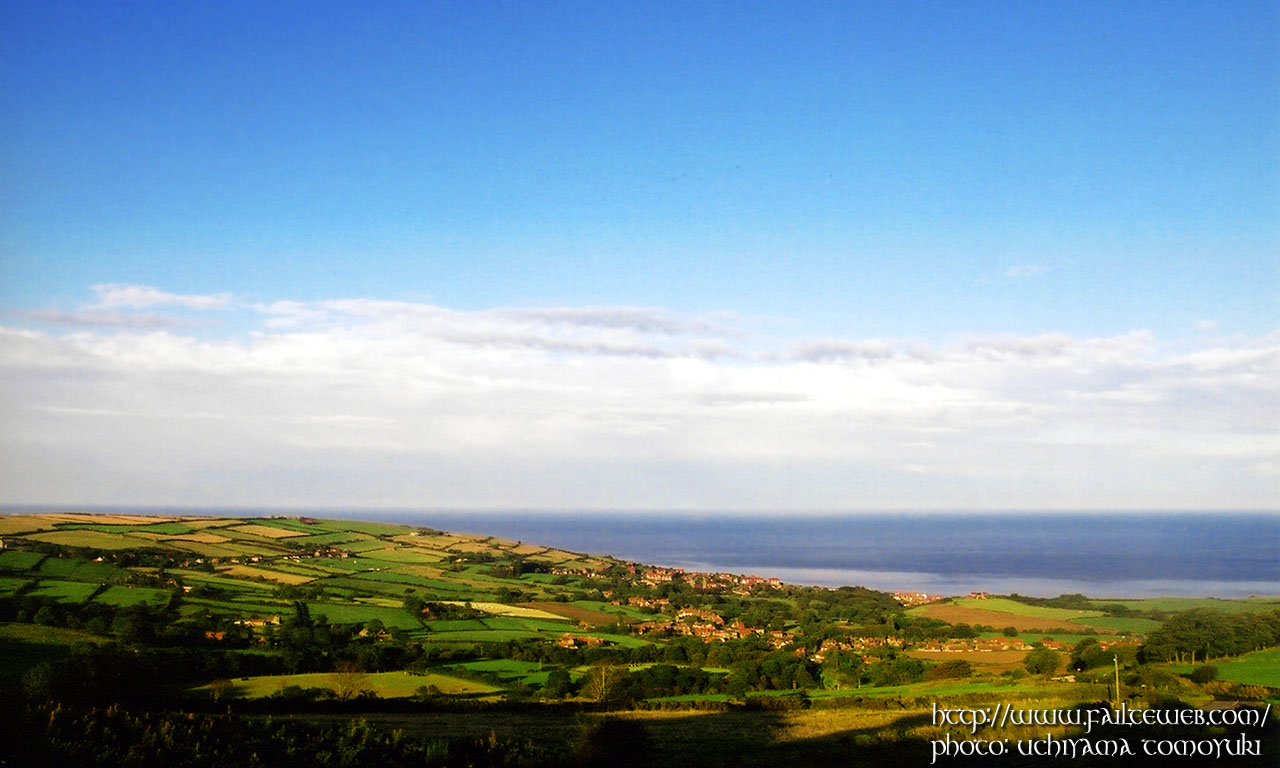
[(950, 669), (1042, 661), (558, 684), (840, 669), (348, 680), (1088, 654), (603, 680), (220, 688)]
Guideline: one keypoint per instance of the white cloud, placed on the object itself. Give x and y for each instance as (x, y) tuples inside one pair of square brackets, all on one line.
[(393, 403), (1025, 270), (99, 319), (111, 295)]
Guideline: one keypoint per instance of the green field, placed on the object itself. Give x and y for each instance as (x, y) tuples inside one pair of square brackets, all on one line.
[(42, 635), (12, 560), (369, 569), (403, 578), (1123, 624), (1173, 604), (230, 549), (507, 670), (454, 625), (125, 596), (401, 555), (254, 608), (65, 591), (1070, 638), (387, 685), (168, 529), (193, 578), (91, 539), (10, 585), (1004, 605), (1257, 668), (79, 570), (625, 611), (485, 636), (365, 546), (356, 613), (373, 529), (533, 625), (323, 539)]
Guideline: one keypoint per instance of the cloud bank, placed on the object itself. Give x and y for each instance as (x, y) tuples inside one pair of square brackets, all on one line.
[(366, 403)]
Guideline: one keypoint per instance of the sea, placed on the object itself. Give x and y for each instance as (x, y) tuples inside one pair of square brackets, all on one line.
[(1042, 554)]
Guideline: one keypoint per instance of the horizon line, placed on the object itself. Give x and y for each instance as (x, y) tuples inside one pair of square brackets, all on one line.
[(319, 510)]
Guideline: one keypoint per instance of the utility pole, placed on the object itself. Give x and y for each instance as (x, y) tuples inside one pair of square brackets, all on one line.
[(1115, 658)]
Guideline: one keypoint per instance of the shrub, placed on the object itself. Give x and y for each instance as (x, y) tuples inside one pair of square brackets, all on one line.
[(1042, 661), (1203, 674)]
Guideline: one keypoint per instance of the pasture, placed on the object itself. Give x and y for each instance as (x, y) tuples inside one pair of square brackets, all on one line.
[(10, 585), (1174, 604), (359, 613), (266, 531), (1005, 605), (14, 560), (387, 685), (126, 596), (953, 613), (1123, 624), (65, 591), (79, 570), (91, 539), (23, 524), (522, 611), (270, 574), (1257, 668), (982, 661)]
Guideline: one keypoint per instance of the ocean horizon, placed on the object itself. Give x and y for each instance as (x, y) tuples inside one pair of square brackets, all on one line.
[(1118, 554)]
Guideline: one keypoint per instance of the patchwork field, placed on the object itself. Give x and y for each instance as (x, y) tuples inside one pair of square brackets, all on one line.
[(451, 605)]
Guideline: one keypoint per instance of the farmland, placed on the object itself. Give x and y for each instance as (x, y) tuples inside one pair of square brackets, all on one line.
[(303, 615), (387, 685), (1258, 668), (954, 613)]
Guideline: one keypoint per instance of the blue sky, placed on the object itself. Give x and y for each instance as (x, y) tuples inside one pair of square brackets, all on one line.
[(1087, 193)]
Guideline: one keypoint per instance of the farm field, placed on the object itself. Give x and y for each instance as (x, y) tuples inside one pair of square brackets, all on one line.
[(494, 624), (1069, 638), (357, 613), (14, 560), (1005, 605), (985, 661), (31, 633), (1123, 624), (65, 591), (953, 613), (1169, 604), (387, 685), (125, 596), (1257, 668)]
